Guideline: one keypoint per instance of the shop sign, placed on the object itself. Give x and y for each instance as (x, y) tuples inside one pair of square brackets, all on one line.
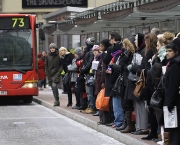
[(53, 3), (158, 6)]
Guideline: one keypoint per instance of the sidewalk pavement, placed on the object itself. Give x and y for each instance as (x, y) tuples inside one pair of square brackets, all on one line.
[(46, 99)]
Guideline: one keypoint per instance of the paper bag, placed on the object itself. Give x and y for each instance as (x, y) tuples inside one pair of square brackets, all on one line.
[(170, 118)]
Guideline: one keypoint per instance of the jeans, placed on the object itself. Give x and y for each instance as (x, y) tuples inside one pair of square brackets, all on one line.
[(118, 111), (40, 83), (90, 95), (55, 90)]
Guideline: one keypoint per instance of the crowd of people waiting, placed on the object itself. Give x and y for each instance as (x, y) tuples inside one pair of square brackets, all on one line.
[(98, 67)]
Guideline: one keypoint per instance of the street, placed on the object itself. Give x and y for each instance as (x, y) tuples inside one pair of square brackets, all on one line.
[(33, 124)]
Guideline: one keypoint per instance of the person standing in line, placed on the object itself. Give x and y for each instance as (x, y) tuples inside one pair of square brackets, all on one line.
[(85, 72), (53, 68), (66, 58), (44, 54), (172, 83), (41, 71)]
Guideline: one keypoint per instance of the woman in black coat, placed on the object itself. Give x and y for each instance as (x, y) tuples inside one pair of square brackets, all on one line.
[(104, 116), (66, 59), (172, 84)]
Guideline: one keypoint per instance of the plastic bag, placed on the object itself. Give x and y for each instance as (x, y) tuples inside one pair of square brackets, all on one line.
[(102, 102)]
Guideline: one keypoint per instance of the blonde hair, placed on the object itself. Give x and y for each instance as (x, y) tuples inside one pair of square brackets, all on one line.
[(65, 49), (167, 38), (128, 43)]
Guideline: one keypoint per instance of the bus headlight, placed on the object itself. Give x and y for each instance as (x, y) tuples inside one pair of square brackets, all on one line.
[(30, 85)]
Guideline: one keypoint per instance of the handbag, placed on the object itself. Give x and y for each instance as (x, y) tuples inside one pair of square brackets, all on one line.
[(118, 87), (102, 102), (157, 97), (140, 84), (133, 77), (67, 78)]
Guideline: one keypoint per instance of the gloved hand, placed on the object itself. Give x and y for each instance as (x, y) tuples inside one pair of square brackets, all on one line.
[(170, 108)]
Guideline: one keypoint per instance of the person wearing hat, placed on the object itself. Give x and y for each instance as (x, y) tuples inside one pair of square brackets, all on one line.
[(53, 69), (41, 71), (73, 68), (85, 72), (172, 83)]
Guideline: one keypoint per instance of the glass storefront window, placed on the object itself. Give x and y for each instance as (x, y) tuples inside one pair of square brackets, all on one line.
[(104, 35), (164, 26), (83, 40), (172, 26), (154, 25)]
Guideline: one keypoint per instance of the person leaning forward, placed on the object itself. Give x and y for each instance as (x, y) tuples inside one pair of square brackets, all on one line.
[(53, 70)]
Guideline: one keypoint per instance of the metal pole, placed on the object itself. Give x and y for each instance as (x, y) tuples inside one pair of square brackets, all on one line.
[(95, 3)]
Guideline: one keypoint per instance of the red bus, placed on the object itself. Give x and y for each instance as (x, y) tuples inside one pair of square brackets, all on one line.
[(18, 61)]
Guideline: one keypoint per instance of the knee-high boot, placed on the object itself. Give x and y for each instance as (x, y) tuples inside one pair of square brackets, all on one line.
[(130, 124)]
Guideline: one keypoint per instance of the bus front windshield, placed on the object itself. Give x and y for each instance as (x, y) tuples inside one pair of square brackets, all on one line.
[(15, 49)]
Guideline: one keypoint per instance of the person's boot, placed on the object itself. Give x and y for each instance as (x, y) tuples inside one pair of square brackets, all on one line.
[(153, 127), (166, 138), (130, 124), (122, 127), (56, 103)]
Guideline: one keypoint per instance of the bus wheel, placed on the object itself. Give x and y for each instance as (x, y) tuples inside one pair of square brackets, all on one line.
[(28, 99)]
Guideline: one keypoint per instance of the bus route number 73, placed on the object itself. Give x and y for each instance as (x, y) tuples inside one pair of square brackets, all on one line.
[(18, 21)]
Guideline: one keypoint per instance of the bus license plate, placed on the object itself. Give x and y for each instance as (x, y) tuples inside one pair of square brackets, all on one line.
[(3, 92)]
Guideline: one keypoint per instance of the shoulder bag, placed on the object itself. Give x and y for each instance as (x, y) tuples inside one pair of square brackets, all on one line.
[(140, 84), (157, 97)]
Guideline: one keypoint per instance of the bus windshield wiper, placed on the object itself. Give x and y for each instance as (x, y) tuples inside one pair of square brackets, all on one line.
[(13, 68)]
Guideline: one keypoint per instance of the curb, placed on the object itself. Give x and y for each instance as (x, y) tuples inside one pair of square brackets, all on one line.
[(92, 124)]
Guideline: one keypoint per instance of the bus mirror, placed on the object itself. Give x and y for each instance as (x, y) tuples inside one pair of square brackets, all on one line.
[(37, 25)]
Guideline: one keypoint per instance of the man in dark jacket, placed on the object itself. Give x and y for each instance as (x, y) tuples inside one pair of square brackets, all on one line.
[(53, 69)]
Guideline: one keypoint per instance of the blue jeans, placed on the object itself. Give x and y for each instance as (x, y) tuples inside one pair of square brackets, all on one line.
[(55, 90), (118, 111), (90, 95)]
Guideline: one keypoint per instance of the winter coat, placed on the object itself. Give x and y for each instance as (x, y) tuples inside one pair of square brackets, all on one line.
[(172, 84), (41, 69), (53, 67), (100, 74), (66, 60), (106, 60), (87, 62)]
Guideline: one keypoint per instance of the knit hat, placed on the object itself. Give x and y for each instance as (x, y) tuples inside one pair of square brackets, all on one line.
[(78, 51), (52, 45), (175, 45), (90, 41), (95, 48), (40, 55)]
